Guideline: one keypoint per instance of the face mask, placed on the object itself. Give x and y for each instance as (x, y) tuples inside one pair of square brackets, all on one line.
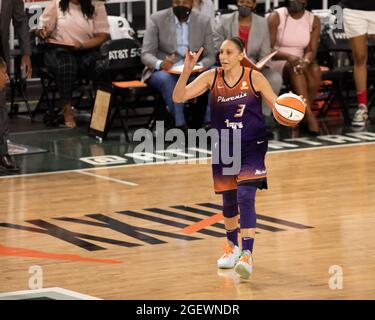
[(244, 11), (296, 6), (181, 12)]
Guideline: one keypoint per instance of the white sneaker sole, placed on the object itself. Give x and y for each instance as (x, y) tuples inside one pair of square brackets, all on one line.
[(227, 266), (358, 123), (242, 270)]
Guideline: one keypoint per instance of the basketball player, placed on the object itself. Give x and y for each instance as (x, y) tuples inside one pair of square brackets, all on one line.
[(236, 98)]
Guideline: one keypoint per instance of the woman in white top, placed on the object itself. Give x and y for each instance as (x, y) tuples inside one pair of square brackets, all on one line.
[(75, 30)]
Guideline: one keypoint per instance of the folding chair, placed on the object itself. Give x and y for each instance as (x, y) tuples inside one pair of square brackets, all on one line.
[(335, 53), (18, 85), (18, 81)]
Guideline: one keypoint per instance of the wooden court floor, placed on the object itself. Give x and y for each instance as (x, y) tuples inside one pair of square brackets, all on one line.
[(159, 234)]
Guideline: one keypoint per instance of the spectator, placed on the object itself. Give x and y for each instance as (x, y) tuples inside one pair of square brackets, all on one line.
[(169, 33), (253, 30), (81, 27), (359, 21), (11, 10), (295, 32)]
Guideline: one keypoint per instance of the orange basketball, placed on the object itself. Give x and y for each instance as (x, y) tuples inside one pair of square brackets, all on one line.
[(289, 109)]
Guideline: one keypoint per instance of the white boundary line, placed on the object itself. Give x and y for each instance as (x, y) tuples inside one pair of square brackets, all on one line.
[(323, 147), (38, 131), (179, 161), (108, 178), (53, 293), (106, 168)]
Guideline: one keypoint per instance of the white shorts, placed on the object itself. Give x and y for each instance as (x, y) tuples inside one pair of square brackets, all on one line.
[(358, 22)]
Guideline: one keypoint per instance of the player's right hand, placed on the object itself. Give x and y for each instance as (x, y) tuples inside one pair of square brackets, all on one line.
[(191, 59)]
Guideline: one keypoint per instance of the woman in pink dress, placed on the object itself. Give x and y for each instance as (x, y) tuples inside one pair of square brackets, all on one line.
[(294, 32)]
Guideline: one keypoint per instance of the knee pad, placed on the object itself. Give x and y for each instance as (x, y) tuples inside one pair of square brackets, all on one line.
[(246, 195), (230, 207), (246, 203)]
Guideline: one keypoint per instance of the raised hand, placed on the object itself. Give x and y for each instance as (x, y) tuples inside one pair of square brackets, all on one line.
[(191, 59)]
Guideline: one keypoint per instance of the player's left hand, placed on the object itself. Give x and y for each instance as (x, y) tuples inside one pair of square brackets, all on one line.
[(302, 97)]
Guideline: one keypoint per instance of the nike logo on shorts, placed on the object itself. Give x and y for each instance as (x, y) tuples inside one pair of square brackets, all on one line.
[(260, 142)]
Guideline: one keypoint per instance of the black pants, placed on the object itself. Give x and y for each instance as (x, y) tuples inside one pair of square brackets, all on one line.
[(67, 66), (4, 124)]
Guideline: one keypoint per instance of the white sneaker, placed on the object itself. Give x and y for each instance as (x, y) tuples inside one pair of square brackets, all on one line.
[(360, 116), (244, 267), (229, 258)]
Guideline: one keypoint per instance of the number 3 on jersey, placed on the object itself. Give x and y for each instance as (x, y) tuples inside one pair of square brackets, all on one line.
[(240, 110)]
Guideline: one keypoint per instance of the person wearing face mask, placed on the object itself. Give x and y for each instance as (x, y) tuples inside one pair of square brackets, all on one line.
[(295, 32), (253, 30), (169, 33)]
